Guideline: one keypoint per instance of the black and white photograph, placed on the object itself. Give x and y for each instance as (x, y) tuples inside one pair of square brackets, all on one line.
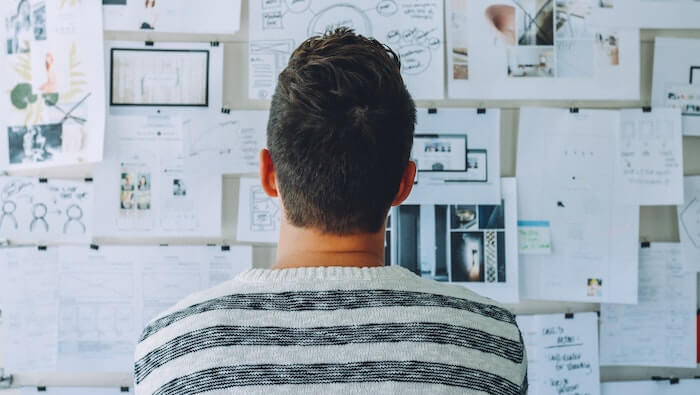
[(33, 144), (179, 188)]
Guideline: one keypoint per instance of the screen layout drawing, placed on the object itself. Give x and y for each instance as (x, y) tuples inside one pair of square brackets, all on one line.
[(470, 243), (159, 77), (456, 152), (259, 215)]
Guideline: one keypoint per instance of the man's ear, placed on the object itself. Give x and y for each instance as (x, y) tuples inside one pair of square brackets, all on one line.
[(267, 174), (406, 185)]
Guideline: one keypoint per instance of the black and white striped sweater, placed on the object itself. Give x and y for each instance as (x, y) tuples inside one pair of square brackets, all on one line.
[(332, 330)]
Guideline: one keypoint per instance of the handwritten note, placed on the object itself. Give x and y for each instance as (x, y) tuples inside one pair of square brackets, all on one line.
[(650, 157), (534, 238), (660, 330), (562, 353)]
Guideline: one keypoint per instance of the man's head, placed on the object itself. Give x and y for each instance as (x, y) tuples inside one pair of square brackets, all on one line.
[(340, 135)]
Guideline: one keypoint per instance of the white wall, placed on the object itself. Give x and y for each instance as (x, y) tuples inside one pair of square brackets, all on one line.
[(657, 223)]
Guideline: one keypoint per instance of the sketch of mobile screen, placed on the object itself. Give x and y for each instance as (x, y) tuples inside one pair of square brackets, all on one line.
[(440, 158), (159, 77)]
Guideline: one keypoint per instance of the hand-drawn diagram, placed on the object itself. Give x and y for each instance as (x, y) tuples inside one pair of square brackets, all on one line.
[(412, 28), (226, 143), (52, 84), (44, 210)]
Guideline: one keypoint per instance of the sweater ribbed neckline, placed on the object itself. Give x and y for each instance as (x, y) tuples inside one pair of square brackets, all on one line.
[(325, 273)]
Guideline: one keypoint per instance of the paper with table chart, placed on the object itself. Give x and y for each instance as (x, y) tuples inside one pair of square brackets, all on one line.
[(259, 215), (661, 329), (93, 303), (650, 157), (471, 244), (173, 16), (225, 143), (669, 14), (45, 211), (676, 79), (660, 387), (53, 90), (689, 224), (562, 353), (564, 178), (542, 49), (143, 187), (457, 153), (414, 29)]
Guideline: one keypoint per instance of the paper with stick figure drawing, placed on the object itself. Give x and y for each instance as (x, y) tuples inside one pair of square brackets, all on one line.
[(45, 211), (412, 28), (53, 100)]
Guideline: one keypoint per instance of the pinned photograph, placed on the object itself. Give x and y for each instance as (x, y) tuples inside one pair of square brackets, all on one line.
[(468, 257), (531, 62), (595, 287), (33, 144), (534, 22), (572, 18), (179, 188), (608, 49), (26, 23)]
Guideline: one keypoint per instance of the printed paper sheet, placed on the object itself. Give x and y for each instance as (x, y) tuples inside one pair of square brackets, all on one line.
[(93, 304), (472, 244), (676, 79), (541, 49), (173, 16), (45, 211), (661, 387), (562, 353), (661, 329), (143, 187), (457, 153), (414, 29), (564, 178), (53, 95)]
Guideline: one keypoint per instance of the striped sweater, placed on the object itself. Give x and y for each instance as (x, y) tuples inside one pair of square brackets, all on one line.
[(332, 330)]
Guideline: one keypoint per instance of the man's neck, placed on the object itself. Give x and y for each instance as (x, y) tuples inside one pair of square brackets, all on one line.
[(299, 247)]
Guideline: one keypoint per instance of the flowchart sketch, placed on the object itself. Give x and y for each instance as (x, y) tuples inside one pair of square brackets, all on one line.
[(45, 211), (52, 99), (259, 215), (412, 28)]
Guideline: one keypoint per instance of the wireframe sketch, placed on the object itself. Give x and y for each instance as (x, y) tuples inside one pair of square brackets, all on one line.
[(264, 211), (414, 29), (54, 88), (44, 210)]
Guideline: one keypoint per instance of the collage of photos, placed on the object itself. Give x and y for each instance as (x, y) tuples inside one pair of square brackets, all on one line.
[(135, 191), (542, 38), (455, 243)]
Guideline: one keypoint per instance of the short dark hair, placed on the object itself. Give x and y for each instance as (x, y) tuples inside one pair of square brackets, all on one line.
[(340, 133)]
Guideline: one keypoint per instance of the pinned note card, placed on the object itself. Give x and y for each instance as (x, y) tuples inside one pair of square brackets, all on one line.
[(534, 237), (562, 353)]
